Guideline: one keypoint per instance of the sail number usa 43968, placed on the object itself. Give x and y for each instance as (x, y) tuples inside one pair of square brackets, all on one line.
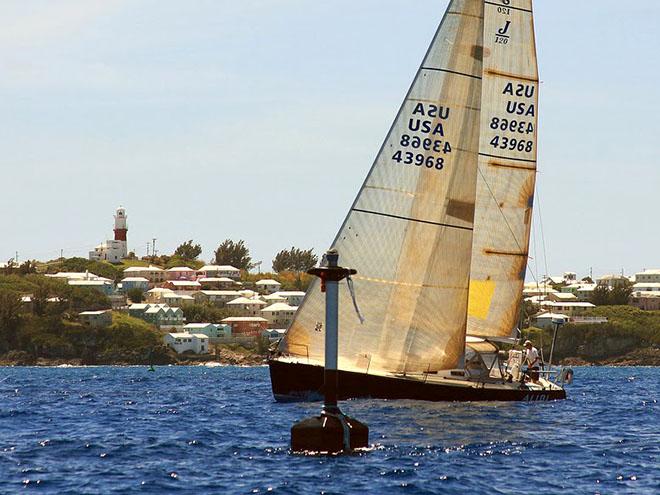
[(423, 144)]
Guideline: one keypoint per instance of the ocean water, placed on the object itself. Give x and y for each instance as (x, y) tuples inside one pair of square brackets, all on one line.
[(218, 430)]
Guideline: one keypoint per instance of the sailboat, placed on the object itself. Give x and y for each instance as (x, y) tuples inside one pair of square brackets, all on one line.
[(439, 231)]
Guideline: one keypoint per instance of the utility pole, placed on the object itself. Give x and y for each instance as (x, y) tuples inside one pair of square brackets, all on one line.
[(16, 258), (148, 249), (153, 247), (61, 254)]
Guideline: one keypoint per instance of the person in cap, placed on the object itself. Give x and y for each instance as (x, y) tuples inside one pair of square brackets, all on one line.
[(532, 361)]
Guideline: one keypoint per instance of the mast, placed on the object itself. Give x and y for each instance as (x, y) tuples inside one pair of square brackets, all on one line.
[(507, 168), (409, 231)]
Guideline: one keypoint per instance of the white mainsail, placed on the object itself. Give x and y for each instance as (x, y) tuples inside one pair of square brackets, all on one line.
[(507, 168), (409, 232)]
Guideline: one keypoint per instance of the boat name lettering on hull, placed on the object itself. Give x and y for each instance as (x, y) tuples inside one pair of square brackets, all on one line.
[(424, 143)]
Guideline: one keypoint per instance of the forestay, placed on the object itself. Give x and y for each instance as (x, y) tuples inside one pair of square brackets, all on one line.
[(409, 231), (507, 168)]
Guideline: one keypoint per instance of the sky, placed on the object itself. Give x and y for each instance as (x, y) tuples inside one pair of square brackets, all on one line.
[(259, 119)]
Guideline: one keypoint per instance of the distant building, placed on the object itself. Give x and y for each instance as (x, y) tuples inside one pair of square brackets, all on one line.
[(648, 301), (612, 281), (96, 318), (647, 287), (182, 342), (116, 249), (182, 285), (567, 308), (648, 276), (547, 320), (160, 315), (243, 306), (561, 297), (274, 334), (177, 299), (219, 271), (157, 294), (218, 298), (130, 283), (293, 297), (153, 274), (211, 330), (268, 286), (217, 283), (180, 273), (102, 285), (279, 315), (252, 326)]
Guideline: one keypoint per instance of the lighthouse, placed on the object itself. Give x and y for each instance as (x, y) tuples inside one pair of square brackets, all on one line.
[(117, 249), (120, 225)]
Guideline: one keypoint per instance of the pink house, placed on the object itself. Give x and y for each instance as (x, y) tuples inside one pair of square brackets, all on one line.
[(180, 273)]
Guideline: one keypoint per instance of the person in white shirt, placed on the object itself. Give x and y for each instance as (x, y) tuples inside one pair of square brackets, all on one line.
[(532, 361)]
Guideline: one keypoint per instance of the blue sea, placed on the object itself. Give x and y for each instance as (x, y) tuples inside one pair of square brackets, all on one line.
[(218, 430)]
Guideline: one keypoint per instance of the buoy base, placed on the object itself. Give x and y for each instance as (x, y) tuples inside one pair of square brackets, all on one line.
[(329, 433)]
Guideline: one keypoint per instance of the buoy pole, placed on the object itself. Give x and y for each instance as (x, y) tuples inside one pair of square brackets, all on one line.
[(332, 432)]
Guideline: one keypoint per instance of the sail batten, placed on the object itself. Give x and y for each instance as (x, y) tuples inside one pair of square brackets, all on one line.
[(409, 231)]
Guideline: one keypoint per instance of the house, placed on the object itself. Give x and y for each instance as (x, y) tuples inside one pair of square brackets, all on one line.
[(211, 330), (648, 276), (569, 308), (243, 306), (177, 299), (182, 285), (217, 283), (130, 283), (267, 286), (157, 294), (646, 287), (279, 315), (102, 285), (180, 273), (157, 314), (183, 341), (561, 297), (96, 318), (612, 281), (227, 271), (648, 301), (218, 298), (153, 274), (293, 298), (274, 334), (247, 325), (582, 291), (273, 298), (548, 320)]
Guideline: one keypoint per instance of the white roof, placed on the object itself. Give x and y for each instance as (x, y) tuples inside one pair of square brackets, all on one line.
[(649, 272), (245, 300), (218, 268), (280, 307), (94, 313), (268, 281), (157, 290), (184, 283), (244, 318), (88, 282), (180, 269), (180, 335), (139, 306), (568, 304), (200, 336), (174, 295), (564, 295), (220, 292), (74, 275), (215, 279), (273, 297), (197, 325), (135, 279), (285, 293), (551, 315), (640, 285), (150, 268)]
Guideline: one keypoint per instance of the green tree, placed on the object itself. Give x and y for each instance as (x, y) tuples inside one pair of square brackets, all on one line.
[(203, 313), (620, 295), (233, 253), (135, 295), (294, 260), (600, 296), (27, 267), (188, 250), (10, 314)]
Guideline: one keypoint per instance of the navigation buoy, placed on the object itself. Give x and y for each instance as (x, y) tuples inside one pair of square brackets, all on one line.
[(332, 432)]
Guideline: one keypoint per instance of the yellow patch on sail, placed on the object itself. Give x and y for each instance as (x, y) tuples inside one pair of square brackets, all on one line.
[(480, 297)]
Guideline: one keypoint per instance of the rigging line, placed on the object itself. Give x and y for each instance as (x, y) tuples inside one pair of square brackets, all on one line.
[(545, 252)]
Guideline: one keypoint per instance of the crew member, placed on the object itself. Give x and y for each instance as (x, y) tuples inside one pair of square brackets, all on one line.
[(532, 361)]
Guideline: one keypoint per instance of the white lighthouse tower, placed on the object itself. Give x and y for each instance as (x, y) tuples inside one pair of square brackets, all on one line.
[(116, 249)]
